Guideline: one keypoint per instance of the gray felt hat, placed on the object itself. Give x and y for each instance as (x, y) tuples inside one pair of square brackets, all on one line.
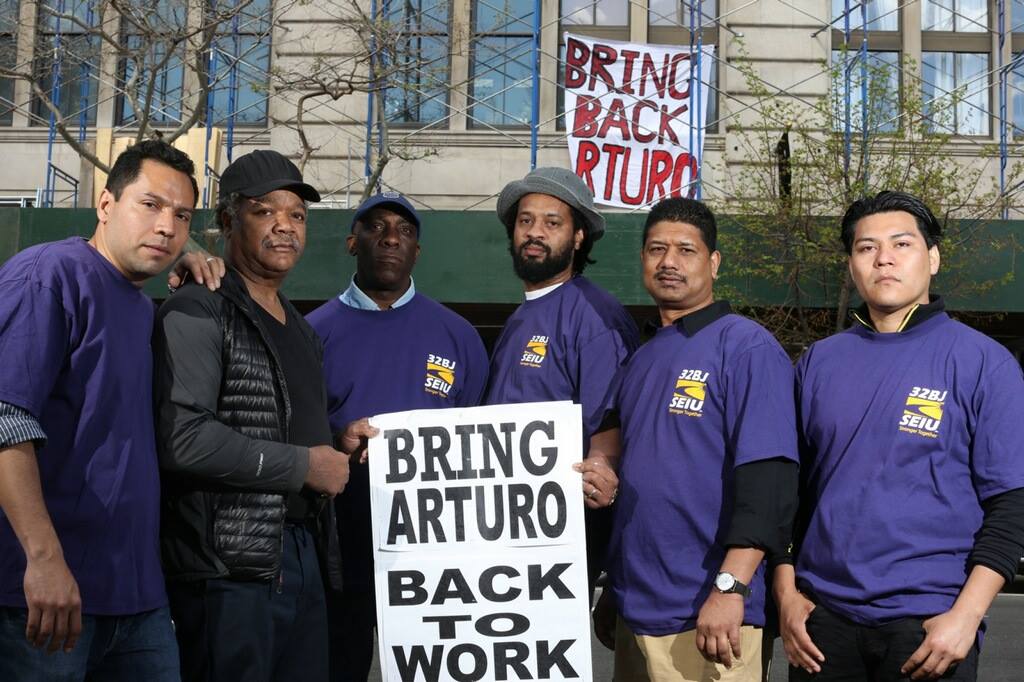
[(560, 183)]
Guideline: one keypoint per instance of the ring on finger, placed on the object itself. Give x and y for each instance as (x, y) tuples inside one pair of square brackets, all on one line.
[(593, 493)]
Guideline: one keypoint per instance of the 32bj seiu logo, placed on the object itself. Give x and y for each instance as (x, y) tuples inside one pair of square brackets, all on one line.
[(689, 393), (922, 414), (535, 352), (440, 375)]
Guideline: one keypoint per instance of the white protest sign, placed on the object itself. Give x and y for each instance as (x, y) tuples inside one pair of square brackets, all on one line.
[(636, 126), (479, 545)]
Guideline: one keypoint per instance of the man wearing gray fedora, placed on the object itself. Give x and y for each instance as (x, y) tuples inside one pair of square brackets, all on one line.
[(569, 337)]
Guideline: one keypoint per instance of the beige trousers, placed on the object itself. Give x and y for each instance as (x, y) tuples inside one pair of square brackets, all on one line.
[(674, 658)]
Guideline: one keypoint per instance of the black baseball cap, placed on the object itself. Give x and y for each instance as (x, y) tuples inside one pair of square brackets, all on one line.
[(263, 171)]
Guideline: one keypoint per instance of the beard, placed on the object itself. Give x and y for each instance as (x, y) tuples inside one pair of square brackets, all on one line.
[(536, 271)]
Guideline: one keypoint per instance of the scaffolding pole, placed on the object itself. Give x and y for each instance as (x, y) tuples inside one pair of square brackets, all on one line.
[(55, 75), (535, 77), (864, 95), (367, 170), (696, 70), (847, 84), (232, 85), (207, 171), (1002, 70)]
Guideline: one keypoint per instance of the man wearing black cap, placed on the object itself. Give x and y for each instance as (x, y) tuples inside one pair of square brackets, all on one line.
[(569, 337), (433, 358), (246, 448)]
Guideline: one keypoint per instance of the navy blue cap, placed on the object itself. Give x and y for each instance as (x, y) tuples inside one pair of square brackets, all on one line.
[(393, 200)]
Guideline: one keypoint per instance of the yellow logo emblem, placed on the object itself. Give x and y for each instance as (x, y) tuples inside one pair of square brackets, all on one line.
[(440, 375), (922, 413), (689, 394), (535, 352)]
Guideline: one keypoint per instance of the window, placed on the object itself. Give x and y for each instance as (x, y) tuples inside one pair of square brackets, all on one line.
[(243, 46), (595, 13), (669, 23), (607, 19), (960, 16), (166, 16), (501, 87), (1015, 94), (882, 15), (883, 86), (77, 60), (678, 12), (1016, 11), (241, 63), (8, 57), (418, 83), (956, 92)]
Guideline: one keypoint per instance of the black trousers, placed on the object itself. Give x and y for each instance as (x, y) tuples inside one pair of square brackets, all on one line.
[(861, 653), (353, 620), (273, 631)]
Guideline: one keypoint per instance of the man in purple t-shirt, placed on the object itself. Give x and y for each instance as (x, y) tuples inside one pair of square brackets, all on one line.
[(709, 464), (569, 337), (81, 590), (428, 357), (912, 509)]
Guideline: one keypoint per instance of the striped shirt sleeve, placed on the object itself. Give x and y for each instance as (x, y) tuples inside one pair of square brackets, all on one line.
[(17, 425)]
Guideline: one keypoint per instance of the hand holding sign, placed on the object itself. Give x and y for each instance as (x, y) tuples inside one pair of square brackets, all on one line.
[(600, 483), (352, 441)]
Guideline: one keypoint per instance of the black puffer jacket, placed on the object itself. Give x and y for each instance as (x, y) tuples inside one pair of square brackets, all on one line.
[(222, 415)]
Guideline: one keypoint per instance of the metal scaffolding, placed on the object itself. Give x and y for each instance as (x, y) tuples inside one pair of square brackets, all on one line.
[(523, 65)]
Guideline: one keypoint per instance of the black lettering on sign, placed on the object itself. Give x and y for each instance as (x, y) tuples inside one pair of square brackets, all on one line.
[(436, 443), (418, 661), (492, 445), (551, 492), (518, 624), (459, 496), (452, 585), (511, 655), (429, 510), (520, 503), (405, 588), (400, 454), (490, 531), (550, 579), (465, 431), (549, 658), (549, 454), (487, 590), (479, 663), (400, 523), (446, 624)]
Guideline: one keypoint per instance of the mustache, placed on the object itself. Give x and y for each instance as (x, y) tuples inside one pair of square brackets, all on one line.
[(534, 242), (285, 240)]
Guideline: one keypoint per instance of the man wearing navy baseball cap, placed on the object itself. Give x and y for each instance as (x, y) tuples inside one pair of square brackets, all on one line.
[(433, 358)]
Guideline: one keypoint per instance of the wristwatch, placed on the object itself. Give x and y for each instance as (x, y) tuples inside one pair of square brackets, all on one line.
[(726, 583)]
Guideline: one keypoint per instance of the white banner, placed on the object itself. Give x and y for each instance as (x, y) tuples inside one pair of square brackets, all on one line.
[(636, 126), (479, 546)]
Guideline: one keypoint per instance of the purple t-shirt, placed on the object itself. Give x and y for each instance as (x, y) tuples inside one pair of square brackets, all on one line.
[(74, 338), (906, 434), (565, 345), (420, 355), (692, 409)]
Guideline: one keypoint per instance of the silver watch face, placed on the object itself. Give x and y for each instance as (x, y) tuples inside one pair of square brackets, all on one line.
[(725, 581)]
